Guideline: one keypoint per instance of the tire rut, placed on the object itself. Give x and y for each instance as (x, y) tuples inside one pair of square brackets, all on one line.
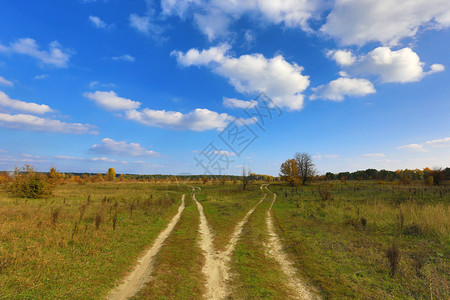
[(216, 268), (141, 273), (275, 251)]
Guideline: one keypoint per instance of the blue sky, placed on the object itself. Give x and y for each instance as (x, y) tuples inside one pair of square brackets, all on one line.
[(150, 86)]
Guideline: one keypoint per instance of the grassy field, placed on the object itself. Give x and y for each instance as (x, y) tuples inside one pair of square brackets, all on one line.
[(178, 268), (66, 247), (80, 242), (341, 243), (255, 275), (225, 206)]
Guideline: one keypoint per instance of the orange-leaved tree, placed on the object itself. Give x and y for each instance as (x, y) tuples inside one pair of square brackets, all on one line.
[(289, 171)]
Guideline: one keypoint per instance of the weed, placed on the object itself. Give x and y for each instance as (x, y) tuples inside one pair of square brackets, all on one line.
[(98, 220), (393, 256), (54, 214), (114, 220), (363, 223)]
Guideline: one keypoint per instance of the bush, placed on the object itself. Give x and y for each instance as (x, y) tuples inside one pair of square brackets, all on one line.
[(29, 184)]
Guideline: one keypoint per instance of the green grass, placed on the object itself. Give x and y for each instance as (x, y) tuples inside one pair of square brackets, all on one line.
[(177, 272), (40, 259), (345, 260), (225, 206), (255, 275)]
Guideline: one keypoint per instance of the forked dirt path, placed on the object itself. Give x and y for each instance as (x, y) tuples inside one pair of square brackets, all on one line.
[(141, 273), (216, 268), (275, 250)]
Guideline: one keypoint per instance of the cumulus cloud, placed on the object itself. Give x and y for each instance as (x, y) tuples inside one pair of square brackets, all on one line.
[(213, 17), (200, 119), (33, 123), (125, 57), (401, 65), (342, 57), (55, 56), (6, 82), (281, 80), (338, 89), (236, 103), (110, 101), (111, 147), (18, 105), (358, 22)]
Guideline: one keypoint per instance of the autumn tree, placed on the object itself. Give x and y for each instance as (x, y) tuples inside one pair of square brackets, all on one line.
[(111, 174), (289, 171), (305, 166)]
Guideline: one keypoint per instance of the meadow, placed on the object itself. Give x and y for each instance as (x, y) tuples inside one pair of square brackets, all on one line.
[(368, 239), (80, 241), (352, 239)]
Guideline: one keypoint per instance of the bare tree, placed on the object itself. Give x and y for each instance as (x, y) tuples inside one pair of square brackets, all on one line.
[(245, 178), (305, 166), (438, 174)]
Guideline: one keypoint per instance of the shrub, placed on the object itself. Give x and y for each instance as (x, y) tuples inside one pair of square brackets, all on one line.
[(29, 184)]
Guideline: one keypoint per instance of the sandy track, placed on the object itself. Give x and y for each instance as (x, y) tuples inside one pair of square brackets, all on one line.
[(216, 268), (275, 250), (141, 273)]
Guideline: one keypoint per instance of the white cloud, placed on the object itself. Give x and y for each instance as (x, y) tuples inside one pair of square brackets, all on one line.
[(110, 101), (342, 57), (33, 123), (41, 76), (202, 58), (425, 147), (125, 57), (401, 65), (321, 156), (357, 22), (99, 23), (445, 142), (6, 82), (224, 153), (56, 55), (23, 106), (92, 159), (253, 73), (337, 89), (146, 25), (141, 24), (214, 17), (111, 147), (94, 84), (373, 155), (197, 120), (414, 147), (236, 103)]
